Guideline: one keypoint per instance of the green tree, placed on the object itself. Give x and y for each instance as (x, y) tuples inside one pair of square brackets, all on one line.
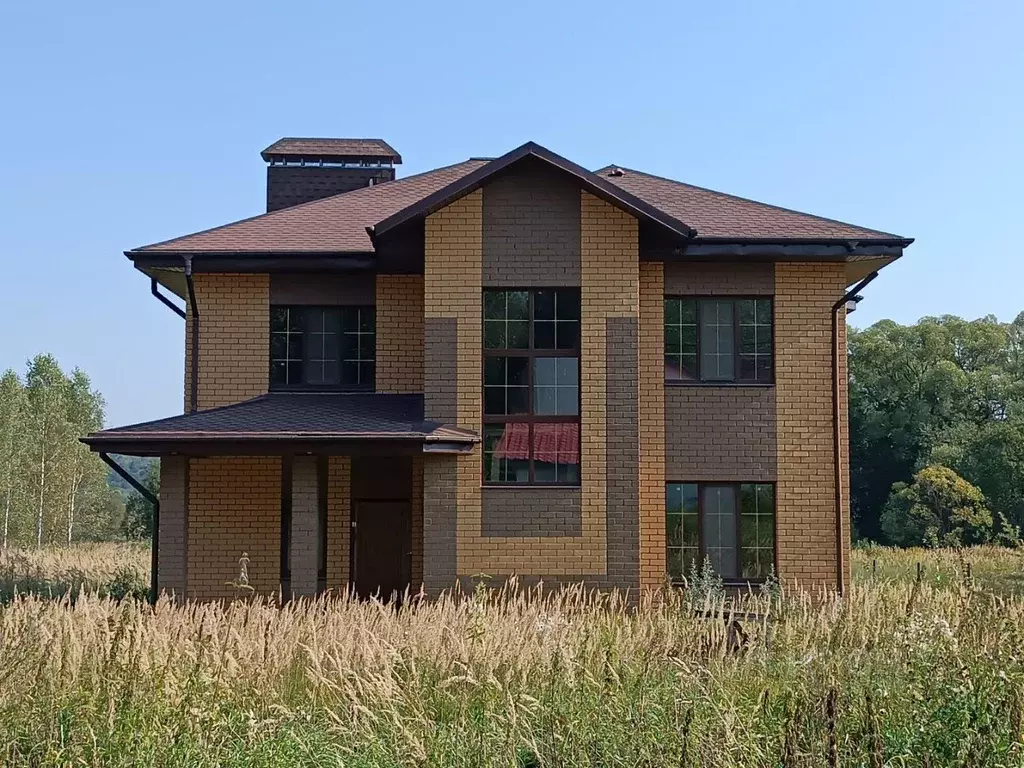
[(939, 509), (12, 415)]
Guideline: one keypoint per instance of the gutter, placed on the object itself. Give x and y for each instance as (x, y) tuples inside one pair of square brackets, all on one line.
[(155, 501), (850, 295), (194, 351)]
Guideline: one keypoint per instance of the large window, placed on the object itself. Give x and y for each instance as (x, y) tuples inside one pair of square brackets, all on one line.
[(718, 340), (531, 383), (730, 524), (330, 348)]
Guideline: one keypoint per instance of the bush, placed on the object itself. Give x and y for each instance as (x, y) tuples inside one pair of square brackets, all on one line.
[(939, 509)]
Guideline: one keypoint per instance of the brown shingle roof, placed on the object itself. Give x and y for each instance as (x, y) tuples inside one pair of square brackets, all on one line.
[(718, 215), (298, 147), (331, 225)]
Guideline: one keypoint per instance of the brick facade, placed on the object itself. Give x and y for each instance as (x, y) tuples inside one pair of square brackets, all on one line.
[(234, 507), (399, 311), (305, 527), (339, 522), (805, 500), (234, 338), (172, 555), (652, 425)]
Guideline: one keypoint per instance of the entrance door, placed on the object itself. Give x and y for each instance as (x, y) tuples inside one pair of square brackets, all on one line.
[(383, 543)]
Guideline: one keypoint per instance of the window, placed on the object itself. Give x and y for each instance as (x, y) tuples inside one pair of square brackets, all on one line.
[(730, 524), (330, 348), (531, 383), (718, 340)]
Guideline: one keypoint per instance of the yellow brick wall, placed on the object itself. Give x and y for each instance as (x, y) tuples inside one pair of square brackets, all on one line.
[(652, 424), (234, 338), (339, 527), (610, 288), (234, 507), (399, 333), (805, 493)]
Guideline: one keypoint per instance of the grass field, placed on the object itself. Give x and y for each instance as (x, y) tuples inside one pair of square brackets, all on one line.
[(900, 673)]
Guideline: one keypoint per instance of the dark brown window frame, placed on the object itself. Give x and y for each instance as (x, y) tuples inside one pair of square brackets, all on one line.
[(341, 386), (530, 417), (701, 550), (734, 382)]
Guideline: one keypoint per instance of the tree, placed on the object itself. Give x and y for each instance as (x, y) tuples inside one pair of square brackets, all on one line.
[(939, 509), (12, 414)]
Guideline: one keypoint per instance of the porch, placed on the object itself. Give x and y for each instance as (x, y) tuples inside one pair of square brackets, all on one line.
[(316, 492)]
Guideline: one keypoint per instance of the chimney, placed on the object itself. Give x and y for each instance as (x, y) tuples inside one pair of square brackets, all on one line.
[(300, 170)]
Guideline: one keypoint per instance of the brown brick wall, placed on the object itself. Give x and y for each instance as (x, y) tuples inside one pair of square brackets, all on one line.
[(234, 338), (804, 294), (651, 371), (720, 433), (544, 512), (319, 289), (531, 228), (234, 507), (416, 571), (172, 557), (719, 279), (305, 527), (399, 333), (339, 522)]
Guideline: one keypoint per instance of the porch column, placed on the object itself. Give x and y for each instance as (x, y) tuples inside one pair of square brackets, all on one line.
[(172, 555), (305, 531)]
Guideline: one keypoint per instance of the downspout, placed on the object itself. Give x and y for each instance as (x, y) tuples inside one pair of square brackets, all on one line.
[(155, 501), (194, 351), (837, 430)]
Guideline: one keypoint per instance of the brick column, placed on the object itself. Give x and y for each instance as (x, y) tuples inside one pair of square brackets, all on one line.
[(305, 527), (172, 557)]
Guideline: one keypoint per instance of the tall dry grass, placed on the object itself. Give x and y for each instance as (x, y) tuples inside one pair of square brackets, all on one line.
[(115, 568), (896, 674)]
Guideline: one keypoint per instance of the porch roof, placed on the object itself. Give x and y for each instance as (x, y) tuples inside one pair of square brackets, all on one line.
[(285, 422)]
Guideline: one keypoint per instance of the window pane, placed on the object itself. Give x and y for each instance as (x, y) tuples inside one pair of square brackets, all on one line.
[(567, 305), (279, 319), (544, 305), (556, 452), (757, 524), (278, 374), (716, 340), (517, 305), (506, 453), (719, 508), (680, 339), (567, 334), (544, 334), (556, 386), (755, 340), (494, 305), (494, 334)]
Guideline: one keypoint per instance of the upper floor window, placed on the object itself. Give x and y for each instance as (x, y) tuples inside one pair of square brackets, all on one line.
[(719, 340), (531, 387), (330, 348), (730, 524)]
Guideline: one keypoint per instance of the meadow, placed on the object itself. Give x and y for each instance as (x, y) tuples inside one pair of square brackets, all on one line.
[(905, 671)]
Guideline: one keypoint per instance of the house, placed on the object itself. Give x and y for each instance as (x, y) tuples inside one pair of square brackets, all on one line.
[(507, 365)]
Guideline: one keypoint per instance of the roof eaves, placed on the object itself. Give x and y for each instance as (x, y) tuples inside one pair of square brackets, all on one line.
[(592, 182)]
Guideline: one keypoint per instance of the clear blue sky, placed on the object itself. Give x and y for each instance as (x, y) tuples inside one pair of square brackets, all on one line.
[(130, 122)]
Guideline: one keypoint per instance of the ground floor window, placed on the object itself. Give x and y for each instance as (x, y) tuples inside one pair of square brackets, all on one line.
[(732, 525)]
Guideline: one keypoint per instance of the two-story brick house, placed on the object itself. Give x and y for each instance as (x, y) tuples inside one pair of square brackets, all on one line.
[(502, 366)]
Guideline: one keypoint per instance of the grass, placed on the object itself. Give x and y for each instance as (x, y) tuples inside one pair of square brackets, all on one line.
[(897, 674), (114, 569)]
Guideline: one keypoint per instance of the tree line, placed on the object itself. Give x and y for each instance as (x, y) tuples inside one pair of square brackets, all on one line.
[(53, 490), (937, 431)]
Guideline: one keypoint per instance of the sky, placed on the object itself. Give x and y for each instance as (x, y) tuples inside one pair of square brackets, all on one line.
[(125, 123)]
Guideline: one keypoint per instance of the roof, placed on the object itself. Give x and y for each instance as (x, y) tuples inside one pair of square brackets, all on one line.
[(718, 215), (311, 417), (330, 225), (591, 182), (339, 225), (310, 147)]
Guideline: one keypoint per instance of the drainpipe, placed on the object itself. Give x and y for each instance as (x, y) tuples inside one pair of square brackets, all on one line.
[(148, 496), (194, 351), (154, 287), (837, 427)]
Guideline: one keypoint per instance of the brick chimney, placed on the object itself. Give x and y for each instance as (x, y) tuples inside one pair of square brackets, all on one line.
[(300, 170)]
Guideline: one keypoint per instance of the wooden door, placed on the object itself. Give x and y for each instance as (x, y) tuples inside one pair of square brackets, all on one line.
[(383, 543)]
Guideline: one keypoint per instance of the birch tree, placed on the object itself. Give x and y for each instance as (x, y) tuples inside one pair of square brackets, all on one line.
[(12, 414)]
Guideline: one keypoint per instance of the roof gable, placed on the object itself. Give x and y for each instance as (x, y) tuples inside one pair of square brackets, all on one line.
[(617, 196)]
